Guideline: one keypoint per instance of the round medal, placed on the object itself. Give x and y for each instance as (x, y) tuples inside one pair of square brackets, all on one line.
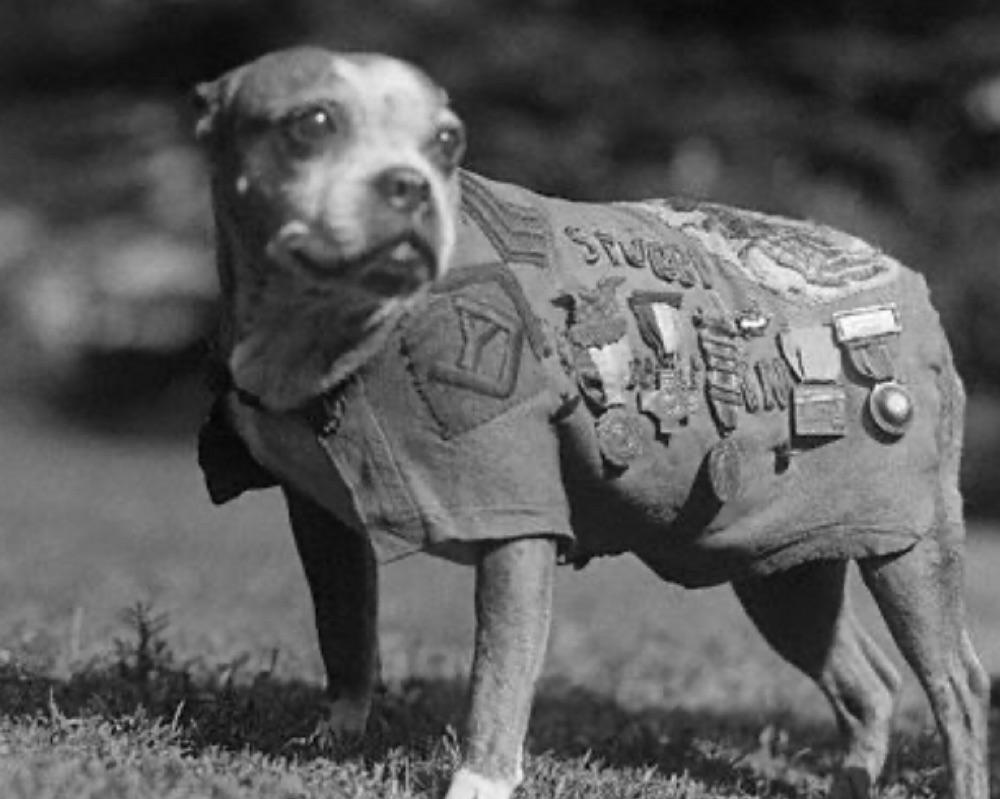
[(619, 436)]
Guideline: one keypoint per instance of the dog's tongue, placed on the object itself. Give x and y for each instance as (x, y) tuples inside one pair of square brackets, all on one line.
[(404, 252), (298, 242), (401, 270), (391, 269)]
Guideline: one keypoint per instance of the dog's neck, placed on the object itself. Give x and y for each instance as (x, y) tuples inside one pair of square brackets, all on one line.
[(284, 345)]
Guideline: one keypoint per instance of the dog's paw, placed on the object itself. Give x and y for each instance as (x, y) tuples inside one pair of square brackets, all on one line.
[(348, 716), (344, 723), (851, 783), (467, 784)]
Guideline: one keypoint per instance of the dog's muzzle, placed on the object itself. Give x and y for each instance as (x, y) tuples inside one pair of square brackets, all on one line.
[(397, 266)]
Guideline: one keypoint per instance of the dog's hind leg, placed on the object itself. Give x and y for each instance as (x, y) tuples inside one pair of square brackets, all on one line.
[(805, 615), (340, 568), (920, 595)]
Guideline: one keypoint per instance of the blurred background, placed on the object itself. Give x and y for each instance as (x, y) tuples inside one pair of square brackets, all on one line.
[(878, 116)]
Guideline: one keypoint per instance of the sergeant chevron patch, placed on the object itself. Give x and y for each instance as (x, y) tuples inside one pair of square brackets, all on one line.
[(519, 233)]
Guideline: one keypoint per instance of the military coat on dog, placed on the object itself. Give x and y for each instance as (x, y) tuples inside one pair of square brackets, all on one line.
[(701, 385)]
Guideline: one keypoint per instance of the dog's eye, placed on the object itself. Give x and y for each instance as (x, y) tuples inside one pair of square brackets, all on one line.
[(450, 144), (310, 128)]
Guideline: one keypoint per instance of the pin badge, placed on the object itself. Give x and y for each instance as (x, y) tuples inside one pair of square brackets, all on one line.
[(752, 323), (865, 323), (819, 409), (891, 408), (596, 319)]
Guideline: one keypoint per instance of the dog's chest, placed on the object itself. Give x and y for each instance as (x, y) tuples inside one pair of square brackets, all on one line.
[(286, 446)]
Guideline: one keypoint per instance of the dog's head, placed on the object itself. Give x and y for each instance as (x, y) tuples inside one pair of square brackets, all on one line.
[(335, 186), (339, 170)]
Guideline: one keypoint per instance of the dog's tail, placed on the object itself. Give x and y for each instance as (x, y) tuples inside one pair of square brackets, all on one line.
[(950, 433)]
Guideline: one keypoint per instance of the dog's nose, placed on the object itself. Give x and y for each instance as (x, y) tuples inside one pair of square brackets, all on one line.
[(404, 189)]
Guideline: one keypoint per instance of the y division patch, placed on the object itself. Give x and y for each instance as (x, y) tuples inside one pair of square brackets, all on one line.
[(489, 358), (474, 353)]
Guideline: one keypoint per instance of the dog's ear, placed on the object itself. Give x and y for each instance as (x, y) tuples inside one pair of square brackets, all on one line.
[(205, 99), (210, 99)]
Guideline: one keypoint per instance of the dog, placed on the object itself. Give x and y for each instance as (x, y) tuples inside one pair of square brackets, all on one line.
[(425, 359)]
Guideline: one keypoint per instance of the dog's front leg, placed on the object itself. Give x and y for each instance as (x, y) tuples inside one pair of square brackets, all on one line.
[(513, 610), (340, 567)]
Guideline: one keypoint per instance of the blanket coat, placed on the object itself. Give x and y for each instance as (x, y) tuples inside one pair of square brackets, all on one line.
[(721, 392)]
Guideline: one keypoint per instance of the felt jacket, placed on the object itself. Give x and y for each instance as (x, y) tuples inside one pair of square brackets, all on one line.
[(721, 392)]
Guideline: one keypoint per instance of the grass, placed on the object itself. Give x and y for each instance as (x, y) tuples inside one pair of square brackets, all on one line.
[(152, 646)]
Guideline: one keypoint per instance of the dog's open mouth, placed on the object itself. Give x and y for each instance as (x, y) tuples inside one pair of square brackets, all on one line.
[(399, 267), (396, 267)]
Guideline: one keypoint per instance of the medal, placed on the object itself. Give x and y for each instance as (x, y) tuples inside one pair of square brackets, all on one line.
[(725, 472), (811, 353), (869, 337), (659, 320), (619, 436), (667, 404)]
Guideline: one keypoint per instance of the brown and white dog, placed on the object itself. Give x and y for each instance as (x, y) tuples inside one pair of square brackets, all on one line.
[(425, 359)]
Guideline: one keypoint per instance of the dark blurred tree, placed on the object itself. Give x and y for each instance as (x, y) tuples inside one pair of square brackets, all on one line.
[(879, 116), (59, 45)]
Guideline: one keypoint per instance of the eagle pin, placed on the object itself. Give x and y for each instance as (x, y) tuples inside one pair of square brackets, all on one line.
[(891, 408)]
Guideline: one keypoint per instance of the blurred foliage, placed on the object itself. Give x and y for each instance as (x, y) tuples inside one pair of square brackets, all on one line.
[(878, 116)]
